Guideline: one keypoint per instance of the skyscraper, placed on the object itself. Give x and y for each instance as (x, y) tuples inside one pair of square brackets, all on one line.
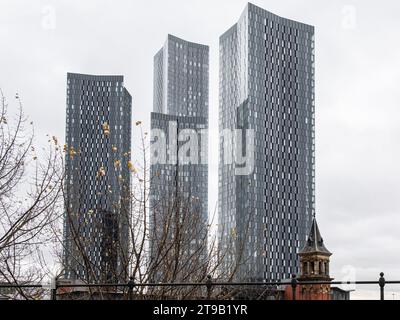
[(97, 182), (179, 185), (267, 85)]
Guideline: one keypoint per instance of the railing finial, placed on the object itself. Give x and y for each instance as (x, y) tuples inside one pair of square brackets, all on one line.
[(131, 285), (382, 285), (209, 285), (294, 285)]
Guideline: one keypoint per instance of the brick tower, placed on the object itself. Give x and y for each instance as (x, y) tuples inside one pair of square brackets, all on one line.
[(314, 266)]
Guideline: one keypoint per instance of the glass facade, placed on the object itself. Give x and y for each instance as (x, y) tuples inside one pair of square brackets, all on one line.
[(180, 103), (267, 85), (97, 182)]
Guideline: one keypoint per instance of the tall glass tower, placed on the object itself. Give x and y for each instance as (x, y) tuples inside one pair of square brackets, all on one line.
[(179, 188), (267, 85), (97, 182)]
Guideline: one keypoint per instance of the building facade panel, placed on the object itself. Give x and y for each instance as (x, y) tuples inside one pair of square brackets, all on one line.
[(97, 183), (267, 85), (180, 104)]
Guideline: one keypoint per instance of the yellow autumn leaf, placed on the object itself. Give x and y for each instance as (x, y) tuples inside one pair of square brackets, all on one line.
[(72, 152), (117, 163), (131, 167), (106, 128), (101, 172)]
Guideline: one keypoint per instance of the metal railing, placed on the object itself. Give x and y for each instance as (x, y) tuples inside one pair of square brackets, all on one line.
[(209, 284)]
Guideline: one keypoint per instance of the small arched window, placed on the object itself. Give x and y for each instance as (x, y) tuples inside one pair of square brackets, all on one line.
[(305, 270)]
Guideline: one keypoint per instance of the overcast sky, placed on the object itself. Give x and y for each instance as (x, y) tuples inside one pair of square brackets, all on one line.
[(357, 96)]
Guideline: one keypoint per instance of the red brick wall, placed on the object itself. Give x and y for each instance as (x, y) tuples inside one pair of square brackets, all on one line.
[(303, 292)]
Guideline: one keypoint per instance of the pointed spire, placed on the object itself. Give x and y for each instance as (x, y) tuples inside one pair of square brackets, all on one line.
[(315, 243)]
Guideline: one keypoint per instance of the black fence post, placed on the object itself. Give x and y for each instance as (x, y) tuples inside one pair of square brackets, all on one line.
[(209, 285), (294, 285), (131, 285), (382, 285), (53, 290)]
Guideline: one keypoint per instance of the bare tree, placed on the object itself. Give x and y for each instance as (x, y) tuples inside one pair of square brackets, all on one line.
[(29, 189), (35, 207), (174, 244)]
